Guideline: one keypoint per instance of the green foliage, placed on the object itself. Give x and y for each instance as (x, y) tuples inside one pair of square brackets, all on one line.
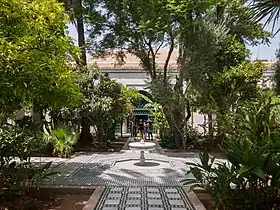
[(159, 120), (105, 104), (18, 178), (215, 180), (160, 123), (252, 175), (18, 142), (231, 53), (246, 29), (257, 121), (110, 104), (36, 56), (63, 141), (224, 91), (42, 174), (172, 107), (276, 69), (17, 174), (210, 36), (236, 83), (194, 135), (266, 9)]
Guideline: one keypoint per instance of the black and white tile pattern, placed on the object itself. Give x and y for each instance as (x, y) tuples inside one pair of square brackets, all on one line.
[(144, 198), (120, 169)]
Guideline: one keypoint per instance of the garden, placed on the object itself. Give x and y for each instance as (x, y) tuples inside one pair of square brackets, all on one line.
[(53, 103)]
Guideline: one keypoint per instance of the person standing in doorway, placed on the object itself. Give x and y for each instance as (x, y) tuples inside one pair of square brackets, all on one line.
[(132, 125), (141, 128), (135, 129), (145, 129), (150, 130)]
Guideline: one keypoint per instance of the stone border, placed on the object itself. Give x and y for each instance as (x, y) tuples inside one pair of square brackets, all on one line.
[(68, 189), (194, 199), (94, 198), (98, 191)]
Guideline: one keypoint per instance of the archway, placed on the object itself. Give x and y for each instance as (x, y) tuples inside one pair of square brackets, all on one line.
[(140, 111)]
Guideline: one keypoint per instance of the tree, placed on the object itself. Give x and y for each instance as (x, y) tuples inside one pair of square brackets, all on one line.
[(266, 9), (76, 11), (237, 17), (234, 81), (276, 69), (137, 27), (144, 28), (36, 56), (110, 104), (105, 104), (215, 49)]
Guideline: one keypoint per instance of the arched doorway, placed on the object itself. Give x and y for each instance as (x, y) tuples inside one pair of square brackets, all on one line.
[(140, 111)]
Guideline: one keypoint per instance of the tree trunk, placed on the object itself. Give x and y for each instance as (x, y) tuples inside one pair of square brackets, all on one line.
[(220, 133), (81, 32), (85, 137), (122, 128), (176, 130), (210, 127), (37, 117)]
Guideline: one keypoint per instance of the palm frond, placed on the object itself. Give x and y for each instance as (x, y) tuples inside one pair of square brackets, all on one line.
[(266, 9)]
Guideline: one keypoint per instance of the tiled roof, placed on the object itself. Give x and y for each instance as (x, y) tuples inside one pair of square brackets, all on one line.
[(132, 62)]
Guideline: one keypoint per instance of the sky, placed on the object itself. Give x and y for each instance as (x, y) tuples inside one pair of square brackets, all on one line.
[(262, 52), (265, 52)]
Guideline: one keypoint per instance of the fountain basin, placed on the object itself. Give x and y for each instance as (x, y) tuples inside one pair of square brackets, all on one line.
[(146, 146), (142, 147)]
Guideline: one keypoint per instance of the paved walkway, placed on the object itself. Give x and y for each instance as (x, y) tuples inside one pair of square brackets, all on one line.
[(140, 198), (117, 169), (128, 186)]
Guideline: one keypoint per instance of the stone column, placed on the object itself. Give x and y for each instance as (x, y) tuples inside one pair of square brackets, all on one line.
[(142, 158)]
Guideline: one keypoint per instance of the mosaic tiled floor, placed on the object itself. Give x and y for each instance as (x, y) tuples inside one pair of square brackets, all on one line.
[(121, 169), (144, 198)]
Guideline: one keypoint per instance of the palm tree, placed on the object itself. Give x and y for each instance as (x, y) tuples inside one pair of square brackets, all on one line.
[(75, 10), (268, 10)]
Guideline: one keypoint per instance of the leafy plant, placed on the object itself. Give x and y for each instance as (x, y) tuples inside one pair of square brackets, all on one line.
[(215, 180), (63, 141), (42, 173), (17, 173), (19, 178), (18, 142), (251, 179)]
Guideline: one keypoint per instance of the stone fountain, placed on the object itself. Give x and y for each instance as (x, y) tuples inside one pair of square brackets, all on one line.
[(142, 146)]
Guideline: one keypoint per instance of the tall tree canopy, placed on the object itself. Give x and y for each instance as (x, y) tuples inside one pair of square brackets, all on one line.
[(198, 30), (35, 56)]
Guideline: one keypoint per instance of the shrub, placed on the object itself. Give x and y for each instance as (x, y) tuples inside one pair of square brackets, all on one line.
[(252, 178), (17, 173), (63, 141), (19, 142), (166, 139)]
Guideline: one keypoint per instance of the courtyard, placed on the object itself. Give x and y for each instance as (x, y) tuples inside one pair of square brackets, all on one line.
[(121, 183), (139, 105)]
